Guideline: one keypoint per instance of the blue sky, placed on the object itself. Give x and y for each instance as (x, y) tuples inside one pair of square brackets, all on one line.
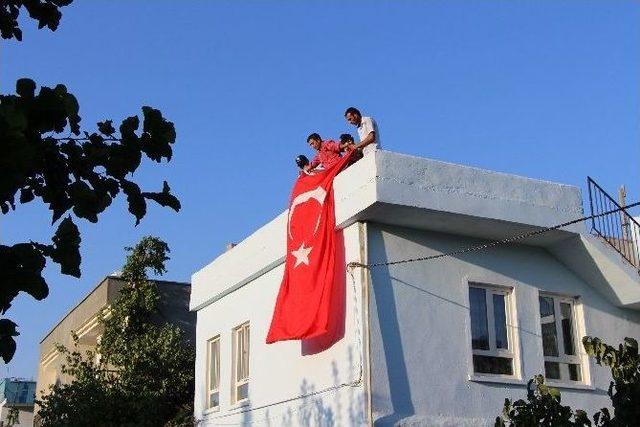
[(544, 89)]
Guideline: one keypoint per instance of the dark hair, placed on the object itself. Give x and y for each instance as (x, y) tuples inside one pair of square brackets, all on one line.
[(346, 137), (313, 136), (352, 110)]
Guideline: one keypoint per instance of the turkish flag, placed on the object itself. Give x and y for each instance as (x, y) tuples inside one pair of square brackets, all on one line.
[(304, 305)]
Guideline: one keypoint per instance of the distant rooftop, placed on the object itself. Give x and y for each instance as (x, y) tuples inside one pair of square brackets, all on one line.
[(17, 391)]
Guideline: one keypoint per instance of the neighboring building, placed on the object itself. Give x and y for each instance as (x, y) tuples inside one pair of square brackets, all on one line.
[(17, 394), (438, 342), (83, 320)]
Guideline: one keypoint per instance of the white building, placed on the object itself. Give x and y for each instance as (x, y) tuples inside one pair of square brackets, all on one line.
[(438, 342)]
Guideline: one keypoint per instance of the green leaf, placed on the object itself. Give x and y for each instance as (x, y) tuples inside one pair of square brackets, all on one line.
[(106, 127), (7, 343), (17, 33), (26, 195), (72, 108), (158, 135), (129, 125), (66, 250), (165, 198), (554, 392), (60, 90), (26, 88), (137, 204), (85, 201)]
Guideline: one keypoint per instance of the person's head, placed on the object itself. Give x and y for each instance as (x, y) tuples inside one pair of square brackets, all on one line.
[(353, 116), (346, 138), (314, 140)]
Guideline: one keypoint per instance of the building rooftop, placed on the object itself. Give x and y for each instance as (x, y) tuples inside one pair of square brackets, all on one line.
[(409, 191), (17, 391), (105, 292)]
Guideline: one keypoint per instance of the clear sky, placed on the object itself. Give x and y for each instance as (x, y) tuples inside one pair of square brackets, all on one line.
[(544, 89)]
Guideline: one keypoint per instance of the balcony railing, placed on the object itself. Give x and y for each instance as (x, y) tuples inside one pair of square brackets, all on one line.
[(619, 229)]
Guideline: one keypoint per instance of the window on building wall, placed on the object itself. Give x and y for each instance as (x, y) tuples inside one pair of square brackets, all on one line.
[(559, 339), (241, 337), (491, 338), (213, 373)]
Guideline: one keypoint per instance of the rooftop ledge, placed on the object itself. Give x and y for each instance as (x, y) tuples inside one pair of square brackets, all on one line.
[(409, 191)]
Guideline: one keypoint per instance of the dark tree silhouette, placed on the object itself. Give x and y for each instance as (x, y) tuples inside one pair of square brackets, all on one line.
[(47, 157)]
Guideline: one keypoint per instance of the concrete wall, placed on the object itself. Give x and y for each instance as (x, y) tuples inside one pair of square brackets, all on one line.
[(420, 332), (83, 311), (174, 307), (291, 383)]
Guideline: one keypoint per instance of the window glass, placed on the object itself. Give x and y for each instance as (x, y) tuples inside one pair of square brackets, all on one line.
[(567, 329), (490, 346), (214, 372), (479, 329), (241, 362), (549, 332), (243, 391), (557, 318), (500, 320), (574, 372), (492, 365), (552, 370), (214, 400)]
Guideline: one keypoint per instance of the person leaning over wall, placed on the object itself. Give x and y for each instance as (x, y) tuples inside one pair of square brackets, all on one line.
[(367, 130)]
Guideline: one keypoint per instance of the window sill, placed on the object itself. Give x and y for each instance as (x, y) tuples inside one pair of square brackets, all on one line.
[(497, 379), (210, 411), (240, 405), (576, 386)]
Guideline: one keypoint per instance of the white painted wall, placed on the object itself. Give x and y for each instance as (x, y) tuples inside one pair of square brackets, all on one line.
[(286, 388), (420, 332)]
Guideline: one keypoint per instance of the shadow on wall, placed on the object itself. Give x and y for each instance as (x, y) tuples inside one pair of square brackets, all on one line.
[(384, 307), (318, 408), (523, 265)]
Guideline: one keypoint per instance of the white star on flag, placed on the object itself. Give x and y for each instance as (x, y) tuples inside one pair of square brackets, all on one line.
[(301, 255)]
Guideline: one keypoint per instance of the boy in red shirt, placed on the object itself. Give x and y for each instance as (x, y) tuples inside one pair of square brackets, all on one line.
[(328, 152)]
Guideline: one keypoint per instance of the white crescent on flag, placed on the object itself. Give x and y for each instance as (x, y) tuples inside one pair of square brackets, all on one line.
[(318, 194)]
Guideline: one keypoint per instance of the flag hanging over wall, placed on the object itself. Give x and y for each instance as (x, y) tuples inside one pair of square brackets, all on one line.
[(303, 308)]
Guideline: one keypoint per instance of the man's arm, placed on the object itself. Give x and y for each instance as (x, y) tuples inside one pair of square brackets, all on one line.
[(369, 131), (336, 147), (369, 139), (312, 165), (346, 146)]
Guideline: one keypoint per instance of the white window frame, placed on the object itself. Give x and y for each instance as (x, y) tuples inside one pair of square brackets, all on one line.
[(510, 353), (562, 358), (211, 357), (240, 352)]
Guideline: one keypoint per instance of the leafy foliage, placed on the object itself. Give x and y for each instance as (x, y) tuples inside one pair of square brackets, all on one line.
[(47, 157), (144, 373), (624, 390), (46, 12), (13, 417), (542, 408), (543, 403)]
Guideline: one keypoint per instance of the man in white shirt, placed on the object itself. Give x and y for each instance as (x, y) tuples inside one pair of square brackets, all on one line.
[(367, 130)]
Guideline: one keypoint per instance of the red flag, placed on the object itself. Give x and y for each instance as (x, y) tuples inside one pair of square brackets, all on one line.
[(303, 308)]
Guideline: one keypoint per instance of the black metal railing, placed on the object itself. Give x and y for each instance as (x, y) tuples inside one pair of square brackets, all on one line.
[(619, 228)]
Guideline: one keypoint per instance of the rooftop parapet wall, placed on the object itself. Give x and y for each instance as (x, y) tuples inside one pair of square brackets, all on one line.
[(408, 191), (255, 255), (401, 180), (97, 299)]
